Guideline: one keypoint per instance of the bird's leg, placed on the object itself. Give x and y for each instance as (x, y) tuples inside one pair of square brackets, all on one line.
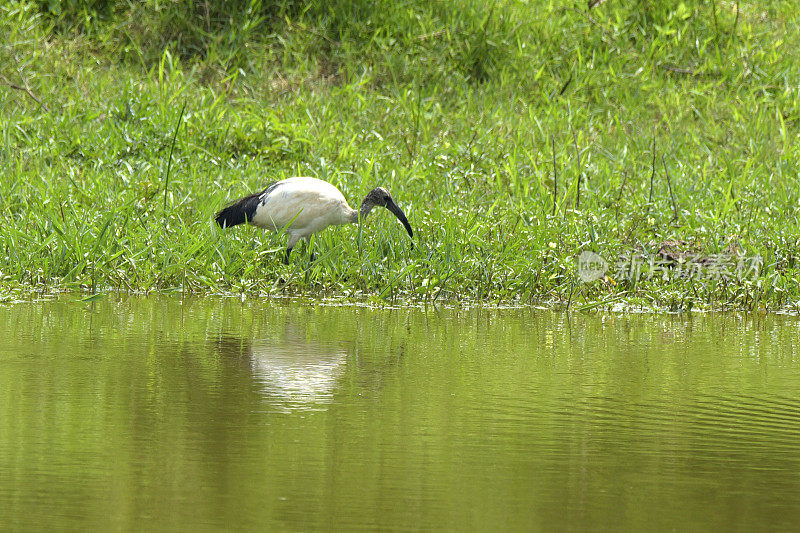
[(292, 241)]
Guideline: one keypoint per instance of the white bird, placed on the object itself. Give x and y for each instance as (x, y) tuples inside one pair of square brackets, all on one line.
[(303, 206)]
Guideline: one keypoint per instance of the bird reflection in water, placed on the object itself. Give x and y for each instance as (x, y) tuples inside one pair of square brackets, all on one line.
[(292, 373)]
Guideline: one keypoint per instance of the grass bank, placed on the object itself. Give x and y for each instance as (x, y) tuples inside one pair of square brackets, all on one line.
[(672, 131)]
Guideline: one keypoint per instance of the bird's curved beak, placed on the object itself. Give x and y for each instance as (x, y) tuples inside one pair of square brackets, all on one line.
[(396, 211)]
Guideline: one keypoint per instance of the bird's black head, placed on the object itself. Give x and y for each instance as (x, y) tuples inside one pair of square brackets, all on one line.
[(381, 197)]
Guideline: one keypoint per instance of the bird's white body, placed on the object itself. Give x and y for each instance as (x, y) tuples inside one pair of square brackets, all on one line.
[(301, 207)]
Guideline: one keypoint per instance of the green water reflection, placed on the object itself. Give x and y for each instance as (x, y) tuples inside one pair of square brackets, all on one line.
[(152, 413)]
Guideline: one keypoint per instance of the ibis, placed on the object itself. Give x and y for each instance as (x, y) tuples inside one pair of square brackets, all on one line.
[(303, 206)]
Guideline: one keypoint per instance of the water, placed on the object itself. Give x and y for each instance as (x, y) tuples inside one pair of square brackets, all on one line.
[(157, 414)]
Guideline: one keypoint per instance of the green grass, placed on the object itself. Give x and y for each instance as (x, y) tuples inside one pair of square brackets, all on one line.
[(450, 105)]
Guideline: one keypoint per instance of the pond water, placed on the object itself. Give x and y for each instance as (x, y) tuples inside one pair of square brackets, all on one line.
[(157, 413)]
